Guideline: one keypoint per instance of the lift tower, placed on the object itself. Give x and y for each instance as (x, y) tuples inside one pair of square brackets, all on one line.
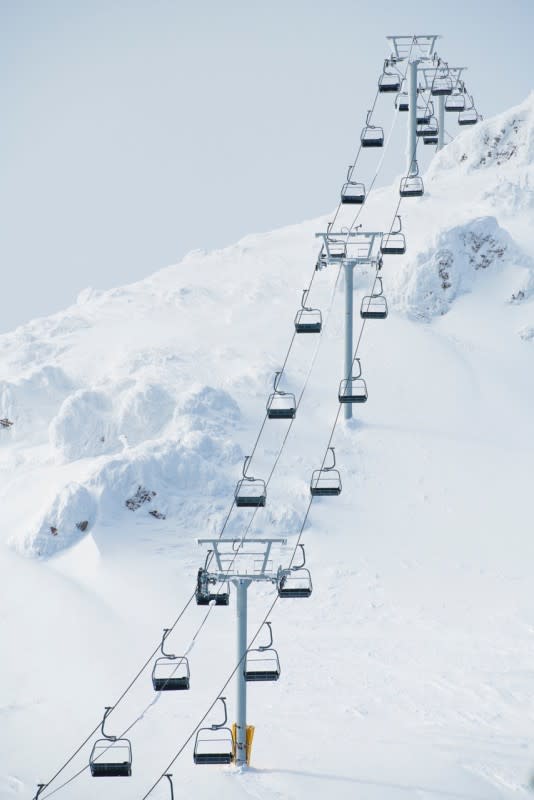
[(351, 249), (242, 562)]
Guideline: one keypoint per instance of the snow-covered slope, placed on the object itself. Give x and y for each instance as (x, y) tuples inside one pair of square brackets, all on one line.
[(409, 672)]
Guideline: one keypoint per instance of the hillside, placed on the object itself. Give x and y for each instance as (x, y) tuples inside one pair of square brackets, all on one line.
[(408, 673)]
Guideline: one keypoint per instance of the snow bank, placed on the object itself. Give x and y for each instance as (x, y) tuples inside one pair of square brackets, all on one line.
[(144, 410), (31, 401), (61, 524), (84, 426), (427, 286)]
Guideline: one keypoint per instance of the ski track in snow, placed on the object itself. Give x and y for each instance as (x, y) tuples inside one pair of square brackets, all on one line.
[(408, 673)]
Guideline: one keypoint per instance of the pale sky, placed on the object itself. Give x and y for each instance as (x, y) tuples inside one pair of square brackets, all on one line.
[(132, 132)]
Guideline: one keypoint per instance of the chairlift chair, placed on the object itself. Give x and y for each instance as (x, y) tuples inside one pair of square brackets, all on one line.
[(308, 320), (336, 248), (412, 185), (111, 756), (393, 243), (262, 663), (295, 581), (170, 672), (430, 140), (326, 482), (353, 389), (469, 116), (374, 305), (389, 81), (424, 112), (250, 492), (442, 85), (203, 594), (168, 775), (371, 135), (281, 405), (214, 745), (352, 192), (402, 102), (429, 128), (455, 102)]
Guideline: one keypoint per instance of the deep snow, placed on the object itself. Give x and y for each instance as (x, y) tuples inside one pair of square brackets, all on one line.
[(409, 671)]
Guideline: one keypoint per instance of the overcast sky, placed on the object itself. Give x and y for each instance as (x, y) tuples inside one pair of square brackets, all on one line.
[(132, 132)]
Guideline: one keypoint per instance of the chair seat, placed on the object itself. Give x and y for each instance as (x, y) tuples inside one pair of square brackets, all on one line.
[(213, 758), (262, 675), (308, 327), (170, 684), (103, 770)]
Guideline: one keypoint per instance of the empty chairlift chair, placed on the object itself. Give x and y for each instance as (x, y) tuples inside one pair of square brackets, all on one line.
[(393, 243), (412, 185), (214, 745), (250, 492), (456, 101), (110, 756), (425, 111), (374, 305), (168, 775), (281, 405), (429, 128), (402, 102), (336, 249), (469, 116), (352, 192), (295, 581), (170, 673), (262, 663), (371, 135), (308, 320), (389, 81), (442, 84), (353, 389), (326, 482)]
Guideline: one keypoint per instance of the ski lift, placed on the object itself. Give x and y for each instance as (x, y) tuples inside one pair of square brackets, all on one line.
[(372, 135), (40, 787), (170, 672), (295, 581), (250, 492), (215, 745), (455, 101), (203, 595), (281, 405), (352, 193), (110, 756), (353, 389), (393, 243), (5, 423), (262, 663), (412, 185), (442, 85), (424, 112), (469, 116), (429, 128), (374, 305), (389, 81), (337, 248), (402, 102), (308, 320), (430, 139), (326, 482), (168, 775)]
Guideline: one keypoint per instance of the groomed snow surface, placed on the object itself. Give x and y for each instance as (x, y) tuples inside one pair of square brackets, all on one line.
[(409, 673)]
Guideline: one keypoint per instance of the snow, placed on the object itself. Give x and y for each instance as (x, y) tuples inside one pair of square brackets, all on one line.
[(408, 673)]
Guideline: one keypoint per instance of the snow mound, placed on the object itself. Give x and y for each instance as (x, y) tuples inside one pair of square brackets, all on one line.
[(31, 401), (84, 426), (205, 407), (63, 523), (173, 476), (144, 410), (427, 287)]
